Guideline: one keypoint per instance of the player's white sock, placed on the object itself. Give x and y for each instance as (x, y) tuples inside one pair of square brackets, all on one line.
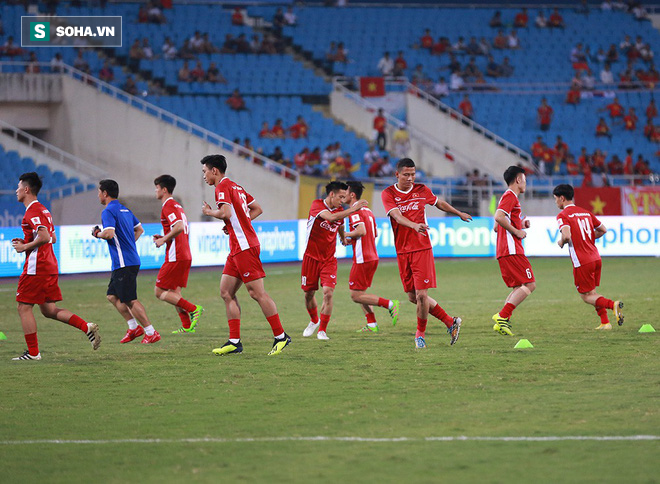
[(132, 324), (390, 305), (149, 330), (233, 340), (280, 336), (372, 325)]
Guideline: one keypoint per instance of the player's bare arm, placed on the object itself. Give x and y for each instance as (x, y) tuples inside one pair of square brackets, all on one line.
[(175, 230), (564, 236), (357, 232), (42, 238), (138, 230), (401, 220), (221, 213), (255, 209), (599, 231), (503, 221), (333, 217), (342, 236), (446, 207)]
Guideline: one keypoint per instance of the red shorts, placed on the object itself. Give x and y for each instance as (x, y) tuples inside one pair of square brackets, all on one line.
[(38, 289), (417, 270), (245, 265), (362, 275), (516, 270), (587, 276), (313, 270), (173, 275)]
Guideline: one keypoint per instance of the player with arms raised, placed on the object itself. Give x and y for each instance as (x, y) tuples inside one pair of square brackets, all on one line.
[(362, 237), (405, 203), (38, 283), (579, 230), (237, 208), (173, 274)]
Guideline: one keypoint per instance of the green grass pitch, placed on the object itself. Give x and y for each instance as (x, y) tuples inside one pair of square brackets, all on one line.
[(574, 382)]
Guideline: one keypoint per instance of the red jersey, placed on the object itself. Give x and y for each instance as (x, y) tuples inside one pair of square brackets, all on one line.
[(241, 233), (545, 114), (321, 235), (277, 131), (466, 108), (412, 205), (582, 223), (630, 121), (651, 111), (380, 123), (427, 42), (615, 109), (507, 243), (177, 248), (41, 260), (364, 248)]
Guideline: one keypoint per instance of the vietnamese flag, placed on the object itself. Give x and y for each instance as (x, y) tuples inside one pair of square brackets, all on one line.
[(372, 86), (599, 201)]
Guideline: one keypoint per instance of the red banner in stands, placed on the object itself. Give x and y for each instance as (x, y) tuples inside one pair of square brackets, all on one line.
[(600, 201), (640, 200), (372, 86)]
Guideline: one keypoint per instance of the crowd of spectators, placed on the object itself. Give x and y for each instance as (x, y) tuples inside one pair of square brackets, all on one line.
[(298, 130)]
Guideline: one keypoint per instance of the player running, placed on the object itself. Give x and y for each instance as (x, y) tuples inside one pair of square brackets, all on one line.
[(362, 235), (326, 219), (514, 266), (173, 274), (237, 209), (38, 283), (579, 230), (405, 203), (121, 229)]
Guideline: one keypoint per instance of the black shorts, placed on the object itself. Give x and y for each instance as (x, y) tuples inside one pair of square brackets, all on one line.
[(123, 283)]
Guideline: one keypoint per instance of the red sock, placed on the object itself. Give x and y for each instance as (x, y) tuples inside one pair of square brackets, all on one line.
[(275, 324), (383, 303), (440, 313), (371, 318), (325, 319), (602, 312), (78, 322), (421, 327), (185, 305), (185, 319), (603, 302), (313, 315), (507, 310), (234, 328), (33, 345)]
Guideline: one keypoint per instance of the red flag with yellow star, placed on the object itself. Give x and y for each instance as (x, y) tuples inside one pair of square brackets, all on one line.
[(600, 201), (372, 86)]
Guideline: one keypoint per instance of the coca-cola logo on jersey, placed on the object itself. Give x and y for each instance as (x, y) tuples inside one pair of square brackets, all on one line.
[(409, 207), (331, 226)]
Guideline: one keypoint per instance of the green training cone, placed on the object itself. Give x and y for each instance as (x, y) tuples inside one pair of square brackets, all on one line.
[(647, 328), (3, 336), (524, 343)]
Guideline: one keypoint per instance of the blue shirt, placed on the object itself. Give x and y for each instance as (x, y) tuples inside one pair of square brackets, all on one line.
[(122, 246)]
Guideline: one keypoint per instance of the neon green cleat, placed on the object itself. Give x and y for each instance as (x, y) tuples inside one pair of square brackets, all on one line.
[(194, 317), (394, 312), (182, 330), (229, 348), (502, 325), (279, 345), (368, 329)]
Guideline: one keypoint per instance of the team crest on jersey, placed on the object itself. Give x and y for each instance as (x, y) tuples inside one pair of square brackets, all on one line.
[(355, 218), (171, 217), (221, 196), (35, 220)]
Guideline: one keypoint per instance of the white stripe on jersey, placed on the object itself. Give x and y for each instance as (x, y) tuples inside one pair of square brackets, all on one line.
[(171, 254), (574, 257), (32, 262), (359, 255), (120, 255), (238, 230)]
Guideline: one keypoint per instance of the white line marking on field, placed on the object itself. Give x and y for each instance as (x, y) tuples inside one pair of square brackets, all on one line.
[(322, 438)]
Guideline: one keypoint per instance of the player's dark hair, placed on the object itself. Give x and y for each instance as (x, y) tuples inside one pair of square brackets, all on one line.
[(166, 181), (356, 187), (33, 180), (564, 190), (111, 187), (405, 163), (216, 161), (511, 173), (335, 186)]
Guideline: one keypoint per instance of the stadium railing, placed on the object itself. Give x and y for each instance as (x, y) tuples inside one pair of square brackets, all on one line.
[(160, 114)]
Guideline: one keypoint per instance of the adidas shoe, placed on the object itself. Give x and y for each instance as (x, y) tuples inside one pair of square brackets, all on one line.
[(394, 311), (454, 329), (131, 334), (229, 348), (368, 329), (606, 327), (182, 330), (27, 356), (420, 343), (618, 312), (93, 335), (194, 318), (502, 325), (280, 344), (153, 338), (309, 330)]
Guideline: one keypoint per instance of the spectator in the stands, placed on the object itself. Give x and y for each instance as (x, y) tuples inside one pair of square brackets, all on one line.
[(642, 166), (454, 65), (147, 51), (300, 159), (237, 17), (612, 54), (187, 51), (500, 41), (573, 94), (106, 73), (278, 129), (484, 47), (381, 167), (513, 40), (342, 53), (521, 19), (651, 110), (650, 130), (184, 73), (537, 149), (496, 20), (277, 155), (602, 129), (198, 74), (246, 149), (401, 142), (540, 21), (442, 46), (265, 131), (601, 56), (135, 52), (207, 45), (168, 49), (440, 88), (466, 108), (628, 162), (268, 45), (79, 62), (459, 46), (380, 127), (545, 113), (588, 81), (400, 65), (213, 74), (426, 41), (639, 12), (130, 86), (492, 68), (386, 65), (229, 45), (197, 42), (630, 120), (278, 21), (556, 20), (154, 14), (33, 65), (615, 166), (419, 77), (255, 44), (371, 155), (572, 167), (606, 75), (615, 109), (561, 149), (57, 64), (625, 80), (471, 70), (242, 45), (300, 129), (456, 82), (290, 17), (577, 54), (506, 69), (472, 47), (646, 53), (236, 101)]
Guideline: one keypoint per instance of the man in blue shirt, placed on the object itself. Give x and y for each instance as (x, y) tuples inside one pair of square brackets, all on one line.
[(121, 229)]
